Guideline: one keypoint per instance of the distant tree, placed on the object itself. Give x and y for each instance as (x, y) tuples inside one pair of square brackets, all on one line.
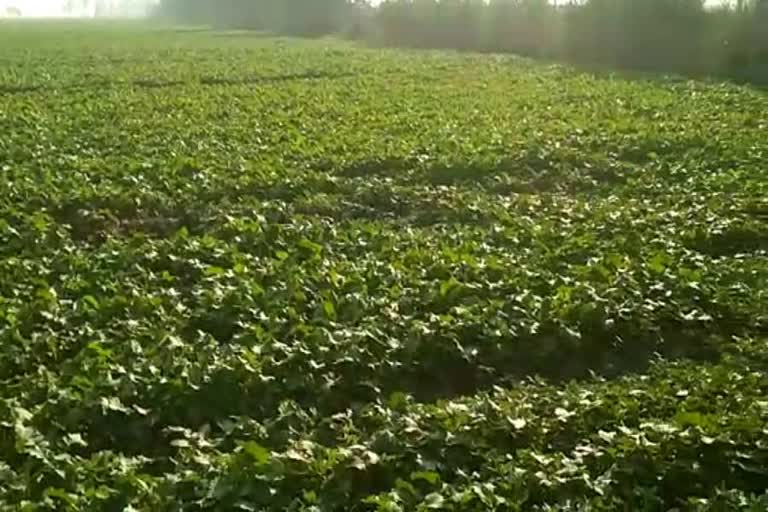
[(13, 12), (77, 7), (103, 8), (299, 17)]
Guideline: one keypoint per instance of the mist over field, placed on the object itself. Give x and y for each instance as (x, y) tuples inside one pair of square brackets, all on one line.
[(680, 36), (80, 8)]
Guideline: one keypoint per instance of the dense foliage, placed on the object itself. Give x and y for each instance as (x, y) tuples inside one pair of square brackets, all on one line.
[(300, 17), (240, 273), (679, 35), (686, 36)]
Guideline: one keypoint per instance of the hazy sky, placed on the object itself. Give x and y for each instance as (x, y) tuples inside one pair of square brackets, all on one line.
[(36, 7), (56, 7)]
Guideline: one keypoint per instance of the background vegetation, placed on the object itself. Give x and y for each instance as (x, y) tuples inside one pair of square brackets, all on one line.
[(671, 35)]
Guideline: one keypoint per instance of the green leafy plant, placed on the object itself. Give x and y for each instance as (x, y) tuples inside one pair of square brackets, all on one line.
[(302, 275)]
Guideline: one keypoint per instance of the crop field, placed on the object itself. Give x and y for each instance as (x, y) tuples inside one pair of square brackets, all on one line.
[(247, 273)]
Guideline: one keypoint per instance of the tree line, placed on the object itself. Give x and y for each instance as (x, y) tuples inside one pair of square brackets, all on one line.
[(297, 17), (687, 36)]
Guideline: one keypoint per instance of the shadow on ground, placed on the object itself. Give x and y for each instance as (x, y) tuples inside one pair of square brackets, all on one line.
[(150, 83)]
